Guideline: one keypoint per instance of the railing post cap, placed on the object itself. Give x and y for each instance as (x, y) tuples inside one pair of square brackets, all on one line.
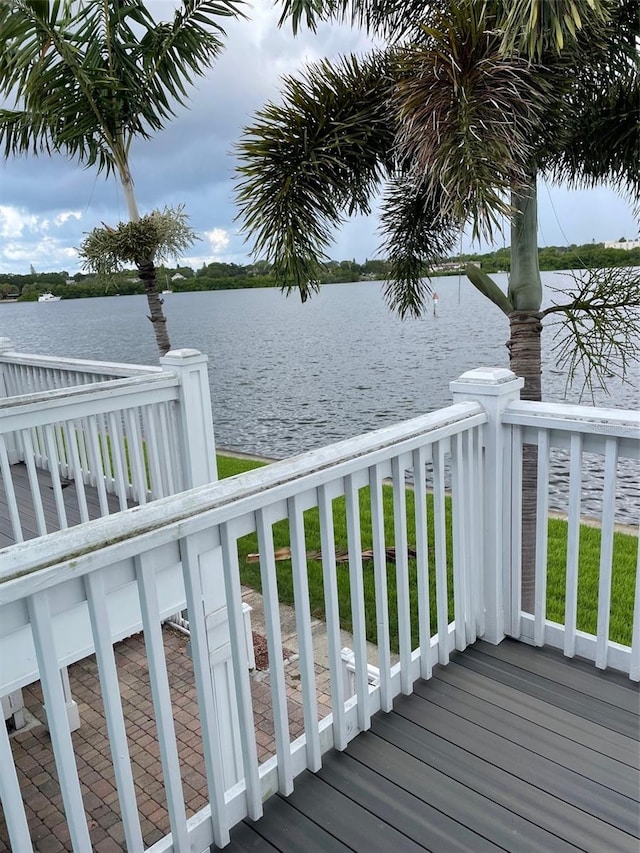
[(487, 380), (180, 356)]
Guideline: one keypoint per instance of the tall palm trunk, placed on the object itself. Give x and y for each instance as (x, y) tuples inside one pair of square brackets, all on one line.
[(147, 270), (525, 293), (146, 267)]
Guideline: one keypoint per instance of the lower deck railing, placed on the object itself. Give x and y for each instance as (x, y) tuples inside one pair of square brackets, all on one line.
[(126, 431), (454, 577)]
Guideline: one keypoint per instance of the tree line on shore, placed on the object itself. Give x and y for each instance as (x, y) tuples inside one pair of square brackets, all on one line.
[(224, 276)]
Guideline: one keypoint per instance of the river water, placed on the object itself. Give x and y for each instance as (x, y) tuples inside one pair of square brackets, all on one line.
[(287, 377)]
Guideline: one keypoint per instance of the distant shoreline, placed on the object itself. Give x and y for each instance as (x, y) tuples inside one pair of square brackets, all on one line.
[(225, 276)]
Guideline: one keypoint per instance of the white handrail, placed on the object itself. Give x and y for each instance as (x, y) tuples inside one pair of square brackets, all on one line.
[(37, 409), (182, 551), (218, 502), (78, 365)]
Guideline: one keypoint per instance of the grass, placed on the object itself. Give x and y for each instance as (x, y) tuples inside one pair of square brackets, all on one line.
[(622, 587), (625, 548)]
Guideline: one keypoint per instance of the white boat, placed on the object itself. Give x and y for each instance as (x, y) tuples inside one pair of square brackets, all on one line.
[(164, 292), (48, 297)]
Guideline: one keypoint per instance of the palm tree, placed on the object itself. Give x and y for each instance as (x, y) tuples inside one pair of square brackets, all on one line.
[(454, 120), (86, 80)]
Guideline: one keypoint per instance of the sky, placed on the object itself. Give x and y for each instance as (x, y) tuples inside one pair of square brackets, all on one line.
[(48, 203)]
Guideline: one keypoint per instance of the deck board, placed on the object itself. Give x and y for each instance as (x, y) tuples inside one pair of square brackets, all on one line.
[(287, 827), (605, 741), (508, 748), (499, 726), (556, 692), (578, 674), (414, 817), (26, 509)]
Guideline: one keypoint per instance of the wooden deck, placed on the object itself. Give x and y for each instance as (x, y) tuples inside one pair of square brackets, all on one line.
[(26, 509), (506, 748)]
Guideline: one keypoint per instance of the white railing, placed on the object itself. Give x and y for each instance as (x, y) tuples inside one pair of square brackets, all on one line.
[(26, 373), (613, 436), (120, 437), (131, 439), (193, 539), (456, 578)]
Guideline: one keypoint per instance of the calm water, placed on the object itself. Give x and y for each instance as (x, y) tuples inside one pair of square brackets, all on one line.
[(287, 377)]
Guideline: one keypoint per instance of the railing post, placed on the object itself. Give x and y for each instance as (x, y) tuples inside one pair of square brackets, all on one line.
[(13, 448), (494, 389), (196, 422)]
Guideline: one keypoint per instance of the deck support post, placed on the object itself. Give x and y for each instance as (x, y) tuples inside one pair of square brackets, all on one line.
[(13, 449), (73, 713), (494, 389), (196, 421)]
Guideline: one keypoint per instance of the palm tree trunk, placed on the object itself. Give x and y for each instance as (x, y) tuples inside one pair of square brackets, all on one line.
[(147, 273), (127, 187), (525, 293), (146, 269), (524, 348)]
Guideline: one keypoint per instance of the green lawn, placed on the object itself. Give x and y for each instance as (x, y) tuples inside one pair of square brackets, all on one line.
[(623, 582)]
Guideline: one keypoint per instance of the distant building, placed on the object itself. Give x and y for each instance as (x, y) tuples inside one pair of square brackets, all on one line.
[(622, 244), (177, 277)]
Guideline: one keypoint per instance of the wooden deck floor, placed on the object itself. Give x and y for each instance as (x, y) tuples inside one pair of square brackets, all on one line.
[(507, 748), (26, 509)]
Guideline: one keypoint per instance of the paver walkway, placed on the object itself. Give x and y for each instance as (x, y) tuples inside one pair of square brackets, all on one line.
[(36, 766)]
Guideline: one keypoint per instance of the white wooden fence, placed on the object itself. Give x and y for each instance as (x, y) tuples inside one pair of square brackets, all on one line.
[(138, 438), (614, 436), (25, 373), (187, 547)]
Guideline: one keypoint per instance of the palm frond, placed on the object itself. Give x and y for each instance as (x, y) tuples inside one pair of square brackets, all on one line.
[(393, 20), (597, 126), (94, 75), (468, 118), (597, 326), (172, 54), (307, 162), (417, 236), (533, 28), (602, 142)]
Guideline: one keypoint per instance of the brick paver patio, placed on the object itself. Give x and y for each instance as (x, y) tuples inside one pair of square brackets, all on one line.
[(36, 766)]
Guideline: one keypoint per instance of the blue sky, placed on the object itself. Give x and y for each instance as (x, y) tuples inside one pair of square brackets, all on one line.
[(48, 203)]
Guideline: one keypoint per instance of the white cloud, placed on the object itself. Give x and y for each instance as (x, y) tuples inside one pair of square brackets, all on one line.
[(218, 239), (61, 218), (14, 221), (46, 253)]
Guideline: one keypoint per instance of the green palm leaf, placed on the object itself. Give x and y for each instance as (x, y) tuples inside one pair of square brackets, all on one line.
[(92, 76), (85, 79), (308, 162)]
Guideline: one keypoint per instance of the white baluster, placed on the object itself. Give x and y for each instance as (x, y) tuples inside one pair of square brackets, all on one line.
[(356, 586), (402, 573), (274, 643)]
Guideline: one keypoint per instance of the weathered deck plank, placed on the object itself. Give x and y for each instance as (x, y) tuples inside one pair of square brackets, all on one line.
[(26, 508), (554, 692), (509, 747)]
